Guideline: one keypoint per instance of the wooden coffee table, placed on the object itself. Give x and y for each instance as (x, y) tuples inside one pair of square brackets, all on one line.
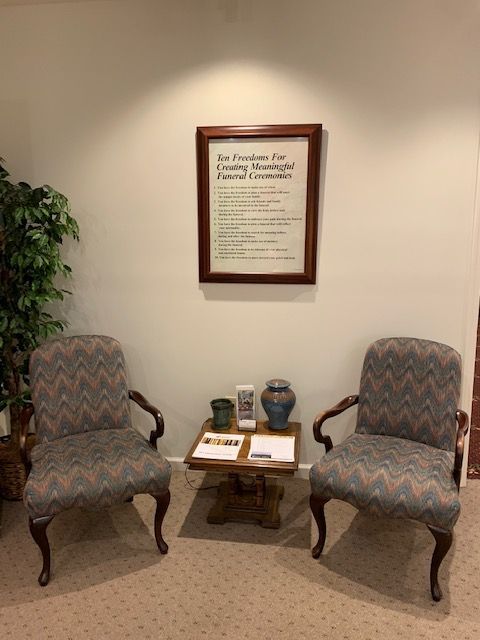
[(247, 496)]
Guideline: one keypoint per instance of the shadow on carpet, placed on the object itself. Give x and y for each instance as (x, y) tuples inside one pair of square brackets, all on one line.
[(295, 527), (381, 560), (88, 548)]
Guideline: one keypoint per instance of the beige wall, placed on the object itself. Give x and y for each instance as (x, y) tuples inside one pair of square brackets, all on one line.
[(101, 99)]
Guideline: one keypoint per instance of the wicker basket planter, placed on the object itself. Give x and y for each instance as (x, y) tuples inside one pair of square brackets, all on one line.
[(12, 470)]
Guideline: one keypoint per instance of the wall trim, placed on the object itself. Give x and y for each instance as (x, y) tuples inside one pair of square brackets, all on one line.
[(472, 295)]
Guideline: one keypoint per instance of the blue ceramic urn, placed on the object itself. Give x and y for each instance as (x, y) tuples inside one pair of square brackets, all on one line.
[(278, 401)]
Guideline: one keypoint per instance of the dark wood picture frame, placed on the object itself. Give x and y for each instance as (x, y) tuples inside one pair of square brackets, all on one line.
[(312, 134)]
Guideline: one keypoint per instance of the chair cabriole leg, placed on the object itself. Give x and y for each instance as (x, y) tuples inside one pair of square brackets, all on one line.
[(38, 529), (163, 500), (443, 541), (317, 504)]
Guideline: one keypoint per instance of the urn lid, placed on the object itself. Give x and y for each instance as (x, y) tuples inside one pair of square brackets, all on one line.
[(278, 383)]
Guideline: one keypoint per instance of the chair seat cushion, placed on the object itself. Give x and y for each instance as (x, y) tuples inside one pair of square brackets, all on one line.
[(94, 470), (390, 476)]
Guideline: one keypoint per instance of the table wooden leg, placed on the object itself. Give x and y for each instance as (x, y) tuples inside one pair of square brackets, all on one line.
[(242, 502), (260, 491), (233, 488)]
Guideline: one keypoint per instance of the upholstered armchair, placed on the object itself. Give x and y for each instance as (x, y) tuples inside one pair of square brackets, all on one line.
[(405, 458), (87, 453)]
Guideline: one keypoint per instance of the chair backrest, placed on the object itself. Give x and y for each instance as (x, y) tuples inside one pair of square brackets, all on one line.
[(410, 389), (78, 384)]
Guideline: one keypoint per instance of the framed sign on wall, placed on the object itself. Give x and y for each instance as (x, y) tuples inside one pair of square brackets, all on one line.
[(258, 203)]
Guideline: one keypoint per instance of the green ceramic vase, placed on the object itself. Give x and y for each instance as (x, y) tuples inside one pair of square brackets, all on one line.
[(222, 412)]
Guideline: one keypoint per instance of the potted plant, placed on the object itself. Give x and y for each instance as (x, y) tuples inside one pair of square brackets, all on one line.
[(33, 223)]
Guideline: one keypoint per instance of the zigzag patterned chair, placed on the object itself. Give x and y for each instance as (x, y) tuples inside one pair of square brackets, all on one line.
[(405, 458), (87, 452)]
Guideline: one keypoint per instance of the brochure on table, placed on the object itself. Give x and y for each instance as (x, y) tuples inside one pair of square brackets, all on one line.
[(219, 446), (275, 448), (245, 405)]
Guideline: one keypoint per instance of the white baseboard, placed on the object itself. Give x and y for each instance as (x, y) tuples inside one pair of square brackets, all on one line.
[(178, 465)]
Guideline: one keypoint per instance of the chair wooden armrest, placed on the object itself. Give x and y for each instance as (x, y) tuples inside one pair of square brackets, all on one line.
[(463, 425), (346, 403), (137, 397), (25, 416)]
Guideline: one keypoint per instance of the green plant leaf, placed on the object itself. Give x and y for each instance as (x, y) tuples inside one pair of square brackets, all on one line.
[(33, 224)]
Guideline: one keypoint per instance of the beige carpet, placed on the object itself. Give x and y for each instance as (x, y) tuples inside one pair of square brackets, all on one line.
[(236, 580)]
